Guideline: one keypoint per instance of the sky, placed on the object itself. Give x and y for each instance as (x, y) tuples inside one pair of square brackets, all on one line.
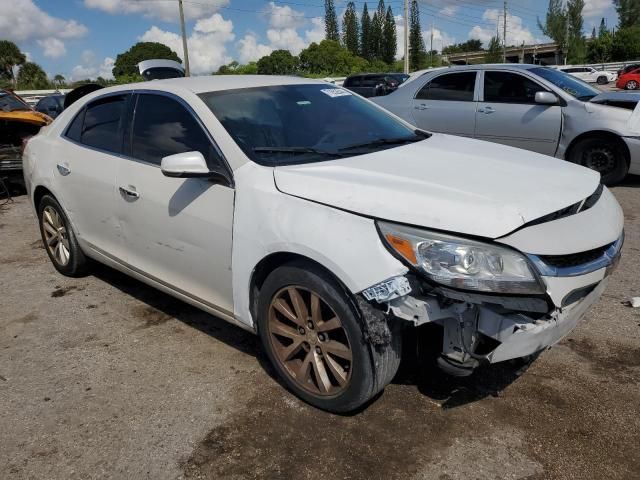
[(81, 38)]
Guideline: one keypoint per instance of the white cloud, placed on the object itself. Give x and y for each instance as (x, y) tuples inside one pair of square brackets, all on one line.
[(449, 10), (166, 11), (596, 8), (284, 17), (316, 33), (250, 50), (23, 21), (91, 70), (440, 39), (207, 43), (52, 47), (516, 31)]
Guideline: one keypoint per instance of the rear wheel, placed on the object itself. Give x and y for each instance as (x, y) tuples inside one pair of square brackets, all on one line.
[(602, 80), (59, 239), (312, 334), (631, 85), (602, 154)]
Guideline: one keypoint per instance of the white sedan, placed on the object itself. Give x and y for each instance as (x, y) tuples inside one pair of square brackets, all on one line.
[(255, 199), (590, 74)]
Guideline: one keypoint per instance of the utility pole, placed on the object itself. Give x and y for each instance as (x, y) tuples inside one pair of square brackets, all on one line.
[(185, 50), (504, 34), (406, 36), (431, 48)]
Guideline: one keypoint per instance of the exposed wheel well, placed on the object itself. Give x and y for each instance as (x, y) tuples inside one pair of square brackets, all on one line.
[(40, 192), (599, 134), (275, 260)]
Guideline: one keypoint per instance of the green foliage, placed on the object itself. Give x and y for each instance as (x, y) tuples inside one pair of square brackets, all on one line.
[(126, 63), (234, 68), (279, 62), (365, 35), (626, 44), (10, 56), (32, 77), (576, 48), (603, 27), (127, 78), (555, 25), (628, 13), (59, 81), (599, 49), (389, 38), (472, 45), (330, 21), (494, 52), (417, 55), (330, 58), (351, 29)]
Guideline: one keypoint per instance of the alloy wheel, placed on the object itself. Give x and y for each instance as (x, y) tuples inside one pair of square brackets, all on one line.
[(56, 236), (632, 85), (309, 341), (601, 159)]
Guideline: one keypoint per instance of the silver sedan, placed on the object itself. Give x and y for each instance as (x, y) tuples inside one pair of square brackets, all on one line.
[(527, 106)]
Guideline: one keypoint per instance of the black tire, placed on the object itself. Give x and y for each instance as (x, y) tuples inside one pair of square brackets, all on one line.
[(371, 368), (602, 80), (604, 155), (631, 85), (77, 263)]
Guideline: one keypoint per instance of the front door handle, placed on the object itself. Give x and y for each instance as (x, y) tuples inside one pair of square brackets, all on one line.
[(486, 110), (129, 192), (422, 106), (63, 169)]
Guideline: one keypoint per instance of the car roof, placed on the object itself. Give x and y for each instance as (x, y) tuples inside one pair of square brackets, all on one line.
[(213, 83)]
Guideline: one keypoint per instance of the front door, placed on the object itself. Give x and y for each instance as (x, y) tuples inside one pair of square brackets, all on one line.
[(177, 230), (446, 104), (510, 115)]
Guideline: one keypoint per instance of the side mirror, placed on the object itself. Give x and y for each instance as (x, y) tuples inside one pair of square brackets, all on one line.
[(546, 98), (192, 165)]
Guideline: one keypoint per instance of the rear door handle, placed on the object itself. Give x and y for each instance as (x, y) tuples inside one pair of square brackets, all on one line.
[(422, 106), (129, 192), (63, 169), (486, 110)]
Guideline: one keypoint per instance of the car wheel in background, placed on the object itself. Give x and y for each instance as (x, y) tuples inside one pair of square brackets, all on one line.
[(631, 85), (59, 239), (602, 80), (314, 338), (602, 154)]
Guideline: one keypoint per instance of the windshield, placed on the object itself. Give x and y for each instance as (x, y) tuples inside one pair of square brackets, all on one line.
[(570, 84), (287, 124), (9, 103)]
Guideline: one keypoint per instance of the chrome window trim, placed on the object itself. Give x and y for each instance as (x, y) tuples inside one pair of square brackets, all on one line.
[(608, 258)]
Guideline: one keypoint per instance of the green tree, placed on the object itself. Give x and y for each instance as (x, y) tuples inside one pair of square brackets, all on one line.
[(365, 35), (603, 27), (600, 48), (127, 62), (32, 77), (555, 25), (377, 31), (626, 44), (473, 45), (350, 29), (10, 56), (330, 21), (390, 38), (593, 33), (329, 58), (494, 52), (628, 12), (59, 80), (417, 54), (234, 68), (278, 62), (576, 48)]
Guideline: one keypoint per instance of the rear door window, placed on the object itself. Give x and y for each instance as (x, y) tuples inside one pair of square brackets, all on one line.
[(163, 126), (452, 87), (102, 123)]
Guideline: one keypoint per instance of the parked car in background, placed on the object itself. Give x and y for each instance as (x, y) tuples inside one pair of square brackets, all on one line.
[(628, 68), (374, 84), (51, 105), (590, 74), (526, 106), (223, 191), (629, 80), (18, 122)]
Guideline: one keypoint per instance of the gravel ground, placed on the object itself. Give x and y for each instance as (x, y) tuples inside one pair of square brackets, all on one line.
[(103, 377)]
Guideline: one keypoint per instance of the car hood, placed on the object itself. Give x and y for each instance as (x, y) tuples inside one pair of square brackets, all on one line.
[(447, 183)]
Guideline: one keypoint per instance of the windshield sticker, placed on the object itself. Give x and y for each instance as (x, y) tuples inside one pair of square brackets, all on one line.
[(336, 92), (304, 102)]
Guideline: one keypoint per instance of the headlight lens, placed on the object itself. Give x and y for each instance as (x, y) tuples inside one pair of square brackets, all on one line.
[(462, 263)]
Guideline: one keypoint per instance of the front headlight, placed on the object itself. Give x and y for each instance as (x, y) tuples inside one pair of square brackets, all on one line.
[(462, 263)]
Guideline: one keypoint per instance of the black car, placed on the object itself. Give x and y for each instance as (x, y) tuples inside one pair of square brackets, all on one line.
[(628, 68), (51, 105), (374, 84)]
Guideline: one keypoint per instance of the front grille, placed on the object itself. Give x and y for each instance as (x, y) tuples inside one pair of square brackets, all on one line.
[(574, 259)]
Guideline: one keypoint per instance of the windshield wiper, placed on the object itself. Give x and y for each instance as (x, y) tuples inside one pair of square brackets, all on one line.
[(295, 150), (419, 135)]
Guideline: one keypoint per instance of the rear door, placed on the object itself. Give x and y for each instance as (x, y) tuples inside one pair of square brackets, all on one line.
[(510, 115), (177, 230), (447, 104), (86, 171)]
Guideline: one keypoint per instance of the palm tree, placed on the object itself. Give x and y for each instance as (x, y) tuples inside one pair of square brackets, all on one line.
[(59, 80)]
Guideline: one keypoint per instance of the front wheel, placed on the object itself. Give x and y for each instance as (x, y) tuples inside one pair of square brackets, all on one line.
[(602, 80), (604, 155), (314, 338), (631, 85)]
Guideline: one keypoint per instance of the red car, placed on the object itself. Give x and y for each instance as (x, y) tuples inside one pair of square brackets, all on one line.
[(629, 80)]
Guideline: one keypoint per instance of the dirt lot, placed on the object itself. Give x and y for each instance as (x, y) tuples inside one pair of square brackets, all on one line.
[(103, 377)]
